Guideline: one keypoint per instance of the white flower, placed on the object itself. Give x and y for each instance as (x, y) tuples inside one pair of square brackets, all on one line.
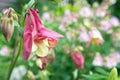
[(18, 73)]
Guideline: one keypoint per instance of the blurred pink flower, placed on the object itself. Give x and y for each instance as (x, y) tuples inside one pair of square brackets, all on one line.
[(100, 12), (95, 36), (36, 38), (4, 51), (98, 60), (75, 17), (114, 21), (112, 59), (106, 26), (86, 12), (84, 37), (78, 59), (67, 19), (67, 13), (107, 61), (105, 4), (116, 56), (110, 62), (62, 26)]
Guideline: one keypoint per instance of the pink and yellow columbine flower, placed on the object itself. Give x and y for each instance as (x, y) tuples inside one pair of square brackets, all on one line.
[(37, 39), (96, 36)]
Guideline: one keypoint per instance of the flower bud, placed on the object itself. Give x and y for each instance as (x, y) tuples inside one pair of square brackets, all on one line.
[(78, 59), (7, 22)]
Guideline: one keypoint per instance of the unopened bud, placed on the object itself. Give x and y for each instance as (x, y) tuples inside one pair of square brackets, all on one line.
[(78, 59), (7, 26), (7, 22)]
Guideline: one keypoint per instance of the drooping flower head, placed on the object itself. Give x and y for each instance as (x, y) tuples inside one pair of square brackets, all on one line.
[(36, 38)]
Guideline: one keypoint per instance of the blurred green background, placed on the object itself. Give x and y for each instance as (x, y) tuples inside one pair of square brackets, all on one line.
[(56, 15)]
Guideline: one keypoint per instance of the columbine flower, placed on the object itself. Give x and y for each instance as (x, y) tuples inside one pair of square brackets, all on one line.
[(96, 36), (78, 59), (37, 39)]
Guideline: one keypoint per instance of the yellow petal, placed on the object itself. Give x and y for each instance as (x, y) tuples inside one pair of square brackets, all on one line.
[(34, 47), (39, 63), (42, 50), (45, 42)]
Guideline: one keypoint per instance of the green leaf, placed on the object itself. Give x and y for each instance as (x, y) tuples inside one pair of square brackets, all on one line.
[(31, 2), (16, 23), (102, 71), (29, 5), (95, 77), (113, 74), (119, 78)]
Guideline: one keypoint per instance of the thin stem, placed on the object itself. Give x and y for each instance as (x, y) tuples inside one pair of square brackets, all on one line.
[(15, 60), (14, 51), (15, 47)]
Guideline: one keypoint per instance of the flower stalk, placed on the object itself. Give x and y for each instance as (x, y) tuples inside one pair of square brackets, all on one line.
[(14, 60)]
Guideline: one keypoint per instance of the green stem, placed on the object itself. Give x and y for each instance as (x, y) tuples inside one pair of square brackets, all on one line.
[(15, 47), (15, 60), (16, 51)]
